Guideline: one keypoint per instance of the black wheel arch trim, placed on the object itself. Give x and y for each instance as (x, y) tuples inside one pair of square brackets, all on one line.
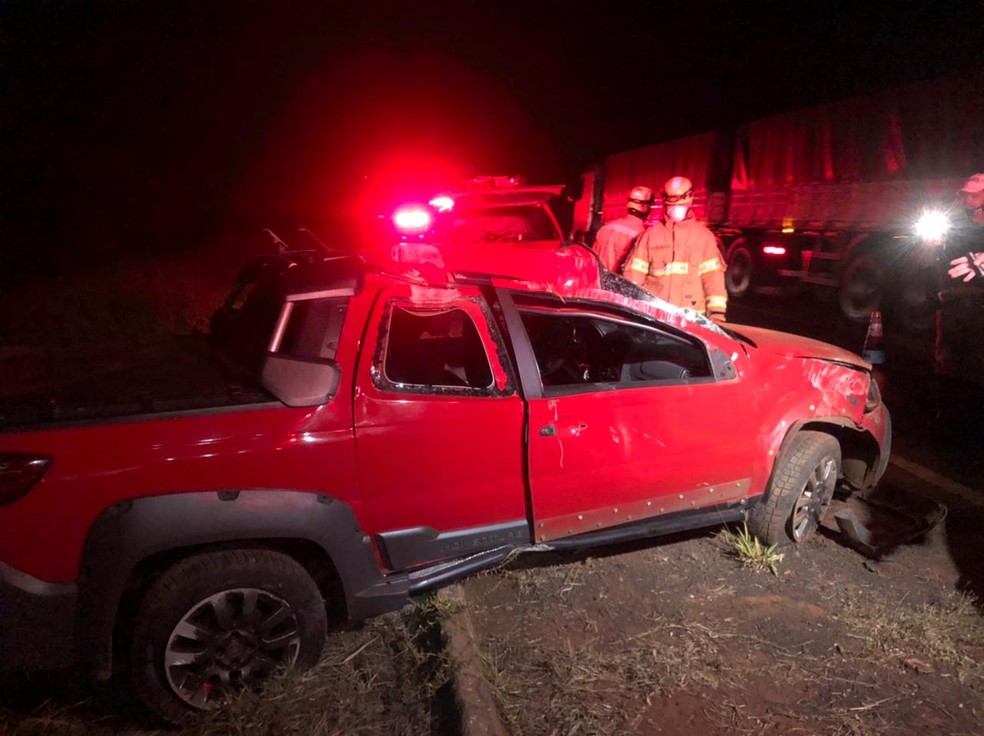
[(842, 428), (130, 532)]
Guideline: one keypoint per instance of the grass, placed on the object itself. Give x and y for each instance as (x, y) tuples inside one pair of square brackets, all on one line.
[(134, 299), (380, 679), (751, 552), (945, 633)]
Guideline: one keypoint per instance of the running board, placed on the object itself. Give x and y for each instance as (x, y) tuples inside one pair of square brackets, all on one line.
[(680, 521), (435, 576), (445, 573)]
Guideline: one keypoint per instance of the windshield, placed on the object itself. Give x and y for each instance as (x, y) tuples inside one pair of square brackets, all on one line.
[(501, 224), (623, 287)]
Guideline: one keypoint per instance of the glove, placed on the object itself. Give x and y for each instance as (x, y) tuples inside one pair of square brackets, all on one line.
[(718, 316)]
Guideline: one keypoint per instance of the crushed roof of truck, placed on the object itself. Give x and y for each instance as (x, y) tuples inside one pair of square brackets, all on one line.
[(506, 199), (570, 271)]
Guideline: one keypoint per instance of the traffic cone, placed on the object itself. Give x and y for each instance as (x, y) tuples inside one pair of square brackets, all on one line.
[(873, 352)]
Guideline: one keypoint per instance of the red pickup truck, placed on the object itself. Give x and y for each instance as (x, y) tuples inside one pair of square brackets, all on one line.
[(367, 427)]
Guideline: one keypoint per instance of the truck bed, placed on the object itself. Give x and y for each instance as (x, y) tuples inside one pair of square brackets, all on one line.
[(178, 376)]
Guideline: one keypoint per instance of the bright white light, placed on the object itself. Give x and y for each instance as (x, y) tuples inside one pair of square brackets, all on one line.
[(442, 203), (412, 219), (932, 226)]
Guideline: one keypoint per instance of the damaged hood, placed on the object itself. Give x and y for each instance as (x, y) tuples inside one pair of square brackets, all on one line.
[(796, 346)]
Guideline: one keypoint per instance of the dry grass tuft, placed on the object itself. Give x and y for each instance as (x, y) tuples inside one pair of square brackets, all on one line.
[(52, 719)]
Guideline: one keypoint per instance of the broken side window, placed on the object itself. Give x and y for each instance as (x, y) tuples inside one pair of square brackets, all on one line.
[(435, 349), (576, 348)]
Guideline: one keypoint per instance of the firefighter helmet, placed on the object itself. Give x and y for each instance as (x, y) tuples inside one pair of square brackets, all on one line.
[(641, 200), (679, 190)]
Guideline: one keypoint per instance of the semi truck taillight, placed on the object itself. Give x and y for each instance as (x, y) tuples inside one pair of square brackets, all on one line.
[(19, 473)]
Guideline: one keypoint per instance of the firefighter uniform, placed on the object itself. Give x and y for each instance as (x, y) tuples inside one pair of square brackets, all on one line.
[(680, 262), (615, 239)]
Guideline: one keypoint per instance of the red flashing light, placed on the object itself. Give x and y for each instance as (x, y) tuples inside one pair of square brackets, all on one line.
[(412, 219), (774, 250)]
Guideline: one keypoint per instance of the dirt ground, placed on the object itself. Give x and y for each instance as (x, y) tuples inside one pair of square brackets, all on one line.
[(678, 637)]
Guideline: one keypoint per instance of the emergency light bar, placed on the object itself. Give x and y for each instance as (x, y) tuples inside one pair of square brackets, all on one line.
[(412, 219), (496, 182)]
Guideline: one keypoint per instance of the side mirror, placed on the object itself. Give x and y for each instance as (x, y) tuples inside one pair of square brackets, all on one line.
[(300, 381)]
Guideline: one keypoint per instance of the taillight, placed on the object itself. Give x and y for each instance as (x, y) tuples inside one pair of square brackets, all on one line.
[(19, 473)]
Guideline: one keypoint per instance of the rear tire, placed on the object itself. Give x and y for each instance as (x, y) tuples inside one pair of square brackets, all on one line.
[(220, 622), (802, 487), (738, 278), (862, 288), (913, 305)]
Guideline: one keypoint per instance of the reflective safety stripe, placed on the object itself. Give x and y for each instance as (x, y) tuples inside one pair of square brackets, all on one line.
[(640, 265), (677, 267), (624, 229), (660, 272), (720, 302), (708, 266)]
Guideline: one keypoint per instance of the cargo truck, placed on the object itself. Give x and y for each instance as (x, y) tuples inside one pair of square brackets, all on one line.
[(823, 198)]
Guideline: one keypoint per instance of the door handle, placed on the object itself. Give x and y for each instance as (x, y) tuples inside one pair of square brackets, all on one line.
[(548, 431)]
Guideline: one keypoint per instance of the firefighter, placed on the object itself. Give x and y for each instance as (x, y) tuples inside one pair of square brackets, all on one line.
[(616, 238), (959, 339), (971, 264), (677, 259)]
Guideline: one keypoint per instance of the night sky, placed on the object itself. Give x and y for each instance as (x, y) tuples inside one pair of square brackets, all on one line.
[(137, 124)]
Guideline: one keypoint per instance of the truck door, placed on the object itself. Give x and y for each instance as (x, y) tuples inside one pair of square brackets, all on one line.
[(439, 431), (628, 421)]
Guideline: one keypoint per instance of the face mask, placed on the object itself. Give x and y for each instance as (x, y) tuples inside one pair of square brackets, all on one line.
[(677, 212)]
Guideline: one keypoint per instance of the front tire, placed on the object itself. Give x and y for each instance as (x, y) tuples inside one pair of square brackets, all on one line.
[(802, 487), (217, 623)]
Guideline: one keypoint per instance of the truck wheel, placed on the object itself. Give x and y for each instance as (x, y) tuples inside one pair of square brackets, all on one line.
[(217, 623), (802, 487), (861, 288), (913, 306), (738, 276)]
